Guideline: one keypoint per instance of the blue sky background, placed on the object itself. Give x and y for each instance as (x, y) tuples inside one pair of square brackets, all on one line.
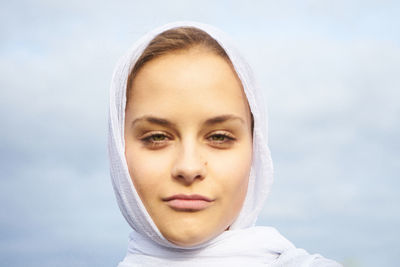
[(330, 70)]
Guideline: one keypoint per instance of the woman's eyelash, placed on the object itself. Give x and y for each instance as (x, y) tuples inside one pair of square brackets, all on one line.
[(155, 139), (161, 139), (221, 138)]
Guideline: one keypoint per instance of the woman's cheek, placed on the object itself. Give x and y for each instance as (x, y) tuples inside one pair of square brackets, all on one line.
[(231, 178), (149, 169), (233, 165)]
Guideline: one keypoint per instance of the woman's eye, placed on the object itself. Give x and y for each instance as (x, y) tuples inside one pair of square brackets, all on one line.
[(157, 137), (220, 139), (154, 140)]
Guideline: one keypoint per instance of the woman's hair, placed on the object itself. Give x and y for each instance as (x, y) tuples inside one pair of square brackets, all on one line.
[(173, 40)]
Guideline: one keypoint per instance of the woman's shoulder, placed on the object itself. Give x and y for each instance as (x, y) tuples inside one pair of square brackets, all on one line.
[(296, 257)]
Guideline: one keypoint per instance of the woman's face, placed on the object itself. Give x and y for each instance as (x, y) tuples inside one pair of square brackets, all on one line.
[(188, 144)]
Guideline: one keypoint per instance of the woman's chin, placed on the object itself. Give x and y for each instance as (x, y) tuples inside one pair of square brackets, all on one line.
[(189, 236)]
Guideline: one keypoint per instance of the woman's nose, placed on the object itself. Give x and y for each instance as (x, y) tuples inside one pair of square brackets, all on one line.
[(189, 165)]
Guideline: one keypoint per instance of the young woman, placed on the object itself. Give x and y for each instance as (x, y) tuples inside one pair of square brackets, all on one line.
[(189, 158)]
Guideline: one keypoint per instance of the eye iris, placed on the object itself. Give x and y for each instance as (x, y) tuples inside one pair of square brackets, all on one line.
[(158, 137), (218, 137)]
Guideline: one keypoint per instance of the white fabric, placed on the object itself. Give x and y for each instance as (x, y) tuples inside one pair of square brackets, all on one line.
[(243, 243)]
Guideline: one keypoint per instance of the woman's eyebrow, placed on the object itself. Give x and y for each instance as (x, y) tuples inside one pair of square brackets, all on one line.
[(223, 118), (155, 120), (167, 123)]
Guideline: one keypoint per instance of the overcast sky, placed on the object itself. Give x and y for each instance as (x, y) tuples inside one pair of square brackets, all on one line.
[(330, 74)]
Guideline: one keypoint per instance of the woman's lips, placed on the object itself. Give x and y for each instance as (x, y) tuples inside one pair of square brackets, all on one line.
[(183, 202)]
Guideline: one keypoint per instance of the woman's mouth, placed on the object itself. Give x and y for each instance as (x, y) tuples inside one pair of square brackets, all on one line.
[(182, 202)]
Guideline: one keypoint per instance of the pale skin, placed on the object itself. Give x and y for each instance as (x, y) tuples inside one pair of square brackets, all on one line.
[(188, 131)]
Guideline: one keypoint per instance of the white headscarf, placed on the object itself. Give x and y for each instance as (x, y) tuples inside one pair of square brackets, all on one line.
[(243, 243)]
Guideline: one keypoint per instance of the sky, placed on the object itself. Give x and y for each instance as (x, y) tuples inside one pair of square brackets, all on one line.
[(330, 77)]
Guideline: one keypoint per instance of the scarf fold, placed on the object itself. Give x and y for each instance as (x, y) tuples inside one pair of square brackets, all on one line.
[(255, 246), (244, 244)]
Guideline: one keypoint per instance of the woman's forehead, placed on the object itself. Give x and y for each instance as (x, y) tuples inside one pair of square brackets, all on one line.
[(188, 82), (190, 72)]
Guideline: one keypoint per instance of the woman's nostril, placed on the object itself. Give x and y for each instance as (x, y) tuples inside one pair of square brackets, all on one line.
[(189, 177)]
